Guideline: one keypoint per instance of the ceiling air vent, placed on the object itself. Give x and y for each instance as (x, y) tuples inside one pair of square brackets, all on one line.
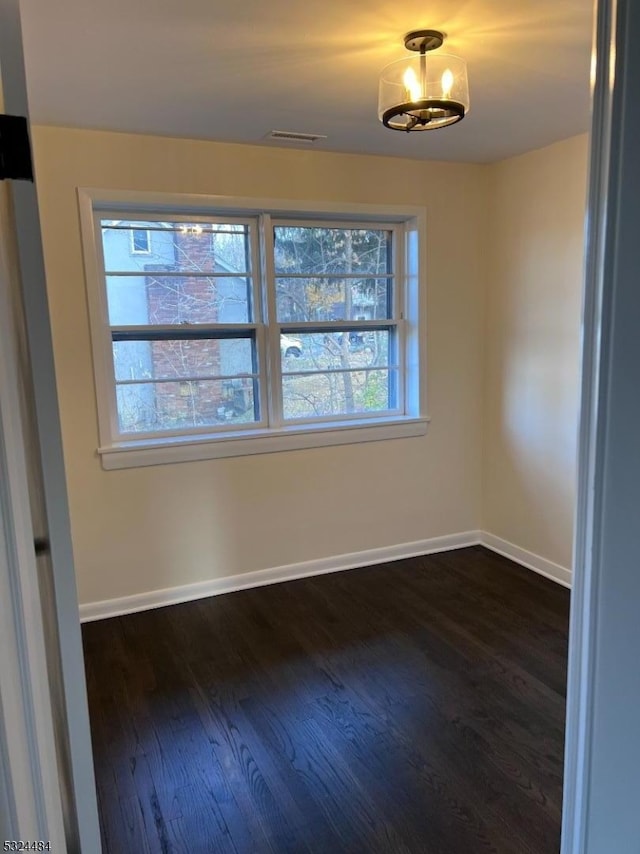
[(294, 136)]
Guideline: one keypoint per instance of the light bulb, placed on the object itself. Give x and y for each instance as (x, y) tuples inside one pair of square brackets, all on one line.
[(411, 85), (447, 84)]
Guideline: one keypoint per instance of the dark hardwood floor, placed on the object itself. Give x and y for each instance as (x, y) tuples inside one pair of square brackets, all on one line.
[(416, 706)]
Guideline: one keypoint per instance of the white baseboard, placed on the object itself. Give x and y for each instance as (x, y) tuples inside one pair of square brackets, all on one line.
[(338, 563), (538, 564), (216, 586)]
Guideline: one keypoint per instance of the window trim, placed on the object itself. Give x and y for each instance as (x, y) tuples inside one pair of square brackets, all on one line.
[(227, 440)]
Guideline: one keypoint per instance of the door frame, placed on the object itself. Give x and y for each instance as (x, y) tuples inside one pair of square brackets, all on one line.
[(32, 803), (602, 755), (65, 702), (585, 569)]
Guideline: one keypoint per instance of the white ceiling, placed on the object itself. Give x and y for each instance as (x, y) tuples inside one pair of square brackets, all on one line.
[(236, 69)]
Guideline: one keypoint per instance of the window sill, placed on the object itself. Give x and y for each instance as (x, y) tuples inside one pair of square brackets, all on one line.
[(153, 452)]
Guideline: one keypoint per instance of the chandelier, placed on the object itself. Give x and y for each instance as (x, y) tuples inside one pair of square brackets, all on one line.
[(423, 92)]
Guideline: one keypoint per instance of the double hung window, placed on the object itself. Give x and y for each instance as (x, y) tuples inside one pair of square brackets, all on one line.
[(245, 332)]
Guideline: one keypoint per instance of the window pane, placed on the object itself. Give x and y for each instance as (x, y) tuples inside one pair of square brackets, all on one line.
[(139, 360), (341, 393), (357, 348), (176, 246), (309, 249), (139, 300), (152, 407), (318, 298), (140, 240)]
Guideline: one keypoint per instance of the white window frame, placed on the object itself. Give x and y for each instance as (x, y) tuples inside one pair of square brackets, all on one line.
[(271, 434), (250, 329), (133, 249)]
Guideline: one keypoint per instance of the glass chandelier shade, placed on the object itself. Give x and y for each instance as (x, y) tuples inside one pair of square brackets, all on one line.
[(424, 91)]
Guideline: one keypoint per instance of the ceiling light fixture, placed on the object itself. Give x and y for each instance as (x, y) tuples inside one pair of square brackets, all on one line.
[(423, 92)]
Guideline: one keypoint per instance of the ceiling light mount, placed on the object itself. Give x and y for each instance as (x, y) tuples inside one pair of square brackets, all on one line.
[(424, 40), (423, 92)]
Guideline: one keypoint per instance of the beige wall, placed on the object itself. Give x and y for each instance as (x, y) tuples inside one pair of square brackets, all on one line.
[(138, 530), (534, 286)]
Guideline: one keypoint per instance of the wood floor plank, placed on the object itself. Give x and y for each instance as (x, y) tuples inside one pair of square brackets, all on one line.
[(410, 707), (404, 716)]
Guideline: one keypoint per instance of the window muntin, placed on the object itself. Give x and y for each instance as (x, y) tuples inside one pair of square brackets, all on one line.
[(331, 351)]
